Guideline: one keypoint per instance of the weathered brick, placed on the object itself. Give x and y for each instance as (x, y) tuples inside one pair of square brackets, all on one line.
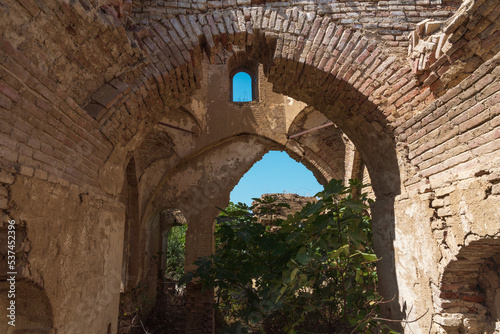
[(41, 174), (444, 212), (480, 118), (5, 102), (6, 178)]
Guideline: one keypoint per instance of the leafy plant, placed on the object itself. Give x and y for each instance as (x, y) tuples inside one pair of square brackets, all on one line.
[(311, 273), (176, 245)]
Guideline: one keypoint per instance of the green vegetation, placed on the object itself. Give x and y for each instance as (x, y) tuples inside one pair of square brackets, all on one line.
[(311, 273), (176, 245)]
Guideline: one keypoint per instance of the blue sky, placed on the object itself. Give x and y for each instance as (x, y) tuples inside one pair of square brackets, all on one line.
[(275, 173), (242, 87)]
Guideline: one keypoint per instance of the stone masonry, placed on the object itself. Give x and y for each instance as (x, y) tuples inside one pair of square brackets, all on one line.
[(114, 111)]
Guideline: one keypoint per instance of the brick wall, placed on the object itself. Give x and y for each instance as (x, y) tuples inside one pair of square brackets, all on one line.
[(390, 19), (466, 297), (456, 137)]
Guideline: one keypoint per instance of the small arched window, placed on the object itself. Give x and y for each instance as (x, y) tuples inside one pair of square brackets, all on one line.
[(242, 87)]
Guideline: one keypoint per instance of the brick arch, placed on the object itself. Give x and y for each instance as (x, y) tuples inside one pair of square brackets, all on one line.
[(239, 62), (165, 58), (466, 300), (33, 309), (130, 197), (196, 192), (156, 146), (351, 79), (323, 148), (338, 78), (442, 53), (333, 68), (154, 78), (311, 47), (228, 177), (197, 187)]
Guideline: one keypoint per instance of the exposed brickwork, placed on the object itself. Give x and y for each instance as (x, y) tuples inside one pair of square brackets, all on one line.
[(466, 285), (318, 50), (444, 58), (331, 151), (456, 153), (295, 202), (390, 19)]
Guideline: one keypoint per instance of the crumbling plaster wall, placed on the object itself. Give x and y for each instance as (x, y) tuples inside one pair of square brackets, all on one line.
[(456, 198), (73, 235), (444, 220)]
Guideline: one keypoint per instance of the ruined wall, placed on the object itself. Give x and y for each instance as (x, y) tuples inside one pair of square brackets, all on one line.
[(454, 203), (71, 235), (389, 20), (326, 155), (296, 203), (222, 123), (193, 164), (51, 152)]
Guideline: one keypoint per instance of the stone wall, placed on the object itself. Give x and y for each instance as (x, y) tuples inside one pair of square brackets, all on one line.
[(296, 203)]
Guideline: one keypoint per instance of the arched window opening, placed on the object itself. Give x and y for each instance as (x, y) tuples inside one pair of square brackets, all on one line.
[(242, 87), (266, 243), (175, 246), (277, 172)]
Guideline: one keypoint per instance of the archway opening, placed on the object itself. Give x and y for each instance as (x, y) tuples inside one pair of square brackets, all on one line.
[(277, 172), (242, 87), (174, 246), (210, 188), (468, 297), (158, 291), (31, 312), (254, 251)]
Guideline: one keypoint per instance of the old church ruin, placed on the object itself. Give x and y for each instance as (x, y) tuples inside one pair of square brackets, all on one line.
[(112, 112)]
